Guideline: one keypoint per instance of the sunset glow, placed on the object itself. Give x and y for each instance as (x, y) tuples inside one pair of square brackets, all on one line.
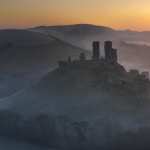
[(119, 14)]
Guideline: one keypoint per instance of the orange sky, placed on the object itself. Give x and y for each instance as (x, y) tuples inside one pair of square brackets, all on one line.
[(119, 14)]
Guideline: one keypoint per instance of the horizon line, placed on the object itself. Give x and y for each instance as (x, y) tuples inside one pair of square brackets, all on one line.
[(75, 24)]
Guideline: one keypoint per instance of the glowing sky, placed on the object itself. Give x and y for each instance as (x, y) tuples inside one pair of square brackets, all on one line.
[(120, 14)]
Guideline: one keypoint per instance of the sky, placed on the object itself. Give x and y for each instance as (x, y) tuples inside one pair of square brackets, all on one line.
[(118, 14)]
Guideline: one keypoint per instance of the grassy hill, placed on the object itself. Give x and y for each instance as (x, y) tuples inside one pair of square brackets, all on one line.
[(74, 91)]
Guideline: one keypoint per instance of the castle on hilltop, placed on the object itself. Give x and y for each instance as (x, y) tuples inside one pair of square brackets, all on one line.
[(110, 55), (110, 58)]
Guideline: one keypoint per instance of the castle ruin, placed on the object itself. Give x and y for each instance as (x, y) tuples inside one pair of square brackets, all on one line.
[(110, 56)]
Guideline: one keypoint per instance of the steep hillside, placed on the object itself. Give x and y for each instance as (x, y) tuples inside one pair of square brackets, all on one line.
[(81, 34), (26, 56), (22, 49)]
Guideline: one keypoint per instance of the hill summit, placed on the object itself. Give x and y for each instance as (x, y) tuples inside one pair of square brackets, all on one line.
[(103, 73)]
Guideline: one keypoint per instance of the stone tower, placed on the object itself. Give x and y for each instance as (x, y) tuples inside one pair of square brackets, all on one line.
[(96, 50), (108, 50), (110, 53)]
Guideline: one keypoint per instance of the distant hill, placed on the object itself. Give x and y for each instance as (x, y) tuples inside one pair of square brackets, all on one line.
[(26, 56), (79, 34), (23, 49), (78, 29)]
